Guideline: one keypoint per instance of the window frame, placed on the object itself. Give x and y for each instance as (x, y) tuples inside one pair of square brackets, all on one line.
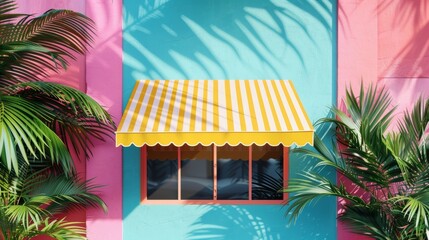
[(143, 182)]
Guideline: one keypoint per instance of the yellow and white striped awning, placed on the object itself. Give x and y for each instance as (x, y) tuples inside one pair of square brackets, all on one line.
[(214, 112)]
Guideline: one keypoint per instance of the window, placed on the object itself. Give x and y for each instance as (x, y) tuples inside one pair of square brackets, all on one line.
[(211, 174), (162, 178), (232, 173), (196, 164)]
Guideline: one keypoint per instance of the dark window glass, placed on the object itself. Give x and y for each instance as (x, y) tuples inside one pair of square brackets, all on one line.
[(233, 172), (197, 172), (267, 172), (162, 173)]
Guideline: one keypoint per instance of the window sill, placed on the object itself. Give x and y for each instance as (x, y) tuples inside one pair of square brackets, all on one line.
[(212, 202)]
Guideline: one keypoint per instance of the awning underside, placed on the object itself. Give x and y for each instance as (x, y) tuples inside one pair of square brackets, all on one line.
[(214, 112)]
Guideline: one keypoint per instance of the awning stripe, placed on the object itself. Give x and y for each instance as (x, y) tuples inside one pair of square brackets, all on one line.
[(250, 121), (214, 102), (300, 109), (171, 107), (148, 121), (229, 117), (242, 124), (185, 111), (193, 113), (280, 114), (295, 106), (286, 99), (164, 99), (255, 114)]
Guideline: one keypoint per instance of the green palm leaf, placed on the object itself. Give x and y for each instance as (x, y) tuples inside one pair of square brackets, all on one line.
[(6, 9), (312, 187), (58, 229), (23, 132), (66, 193), (29, 212), (368, 220), (35, 45), (77, 118), (388, 171), (41, 122)]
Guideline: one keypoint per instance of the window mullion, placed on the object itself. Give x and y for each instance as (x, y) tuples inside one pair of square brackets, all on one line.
[(285, 170), (143, 169), (250, 172), (214, 172), (179, 174)]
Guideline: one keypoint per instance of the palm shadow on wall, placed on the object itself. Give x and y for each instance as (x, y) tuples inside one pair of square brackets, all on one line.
[(222, 222), (211, 39), (412, 60), (224, 39), (263, 221)]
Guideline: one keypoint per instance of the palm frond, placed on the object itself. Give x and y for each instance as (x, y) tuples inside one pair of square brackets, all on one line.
[(57, 229), (37, 177), (77, 117), (31, 211), (6, 12), (79, 103), (35, 45), (311, 187), (329, 157), (368, 219), (266, 186), (415, 208), (391, 169), (66, 193), (23, 132), (414, 125)]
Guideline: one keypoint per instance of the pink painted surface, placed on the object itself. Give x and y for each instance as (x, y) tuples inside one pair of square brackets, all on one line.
[(384, 43), (100, 75), (104, 84), (403, 30), (357, 60), (357, 43), (403, 51), (75, 74)]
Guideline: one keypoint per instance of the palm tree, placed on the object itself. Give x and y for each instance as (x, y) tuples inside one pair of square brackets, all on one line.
[(31, 202), (41, 123), (383, 174)]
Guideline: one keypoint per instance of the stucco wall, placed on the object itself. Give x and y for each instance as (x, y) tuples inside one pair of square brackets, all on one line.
[(104, 84), (99, 74), (222, 39), (75, 74), (403, 50), (383, 43)]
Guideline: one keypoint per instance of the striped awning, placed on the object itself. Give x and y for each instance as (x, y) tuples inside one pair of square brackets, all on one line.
[(214, 112)]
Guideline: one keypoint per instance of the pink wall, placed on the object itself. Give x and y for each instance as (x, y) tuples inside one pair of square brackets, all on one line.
[(403, 50), (357, 57), (99, 74), (383, 42), (357, 43), (104, 84), (75, 74)]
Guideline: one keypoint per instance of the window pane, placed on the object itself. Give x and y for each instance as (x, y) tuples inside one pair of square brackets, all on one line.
[(267, 172), (162, 173), (197, 172), (233, 172)]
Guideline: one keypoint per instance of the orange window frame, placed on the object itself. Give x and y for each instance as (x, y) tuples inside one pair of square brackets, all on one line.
[(143, 181)]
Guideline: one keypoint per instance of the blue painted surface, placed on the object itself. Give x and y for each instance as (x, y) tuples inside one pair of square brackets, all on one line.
[(229, 39)]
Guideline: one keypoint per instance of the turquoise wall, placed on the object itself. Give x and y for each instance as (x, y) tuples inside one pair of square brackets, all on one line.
[(229, 39)]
